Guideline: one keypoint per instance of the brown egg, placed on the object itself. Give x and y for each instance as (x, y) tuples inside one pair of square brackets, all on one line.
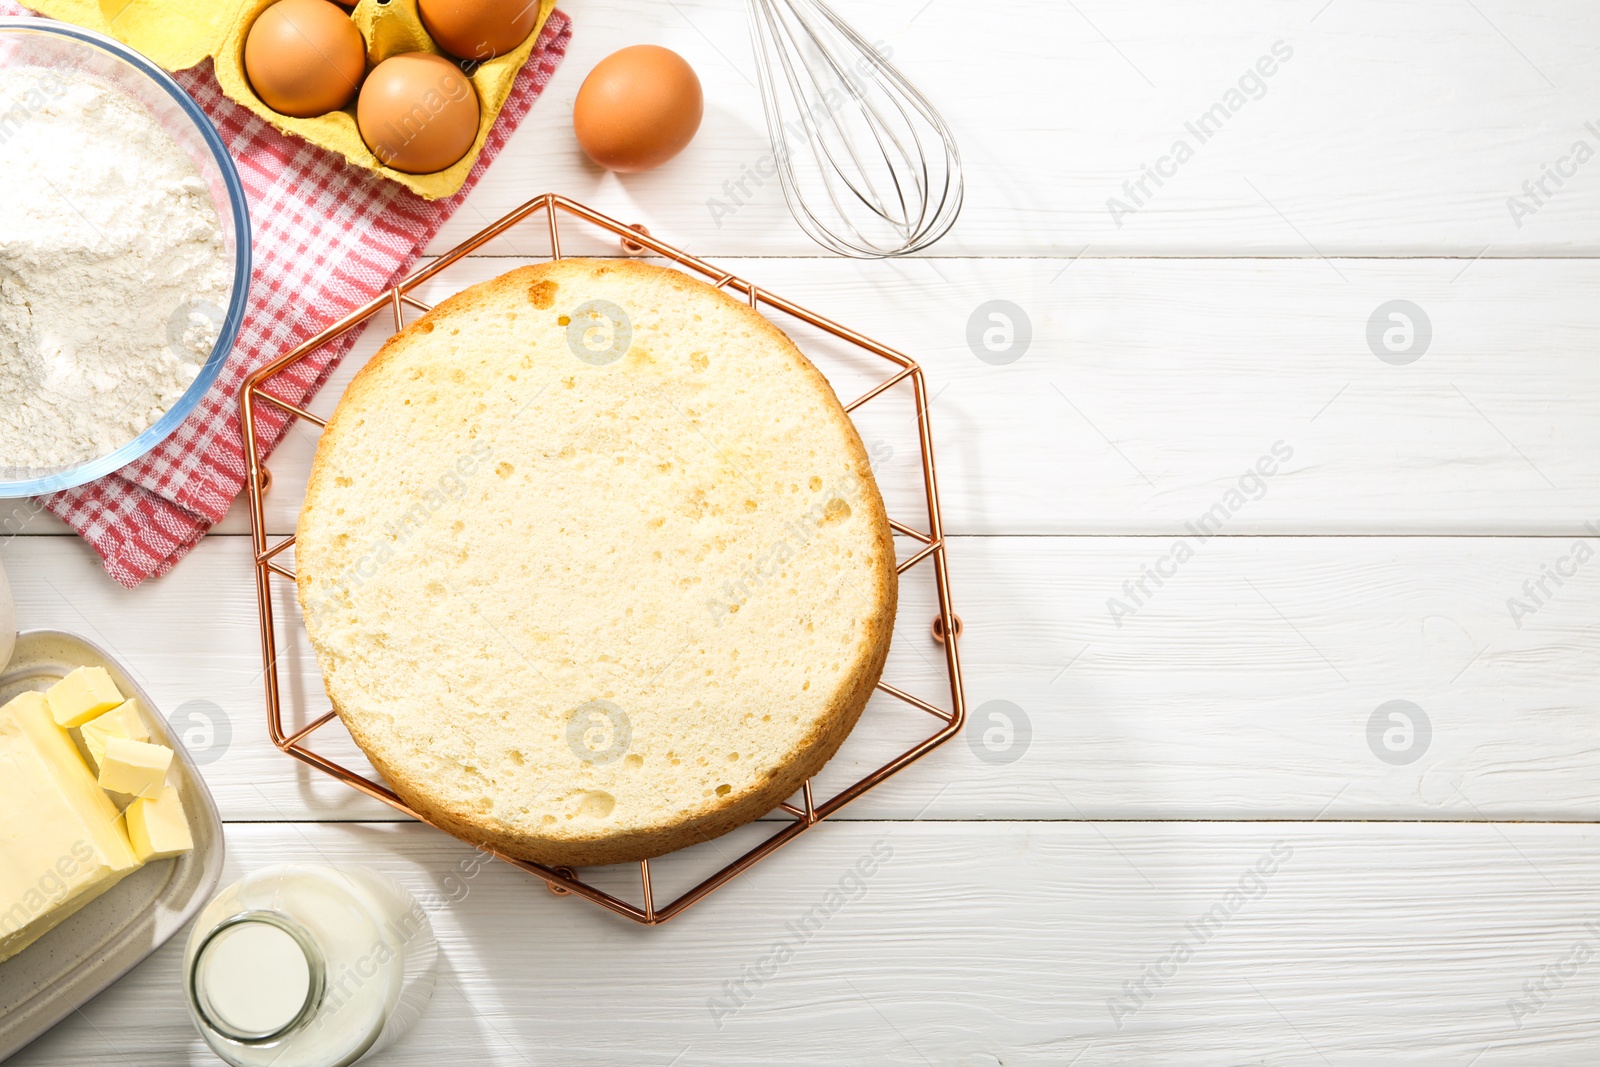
[(638, 108), (478, 29), (304, 57), (418, 113)]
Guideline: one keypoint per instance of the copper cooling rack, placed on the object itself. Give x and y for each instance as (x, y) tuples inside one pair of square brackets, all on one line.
[(270, 566)]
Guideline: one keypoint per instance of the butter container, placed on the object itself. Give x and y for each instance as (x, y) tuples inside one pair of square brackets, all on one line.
[(178, 34), (116, 931), (8, 620)]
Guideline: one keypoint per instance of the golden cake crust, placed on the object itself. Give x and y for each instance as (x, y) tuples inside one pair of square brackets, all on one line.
[(594, 564)]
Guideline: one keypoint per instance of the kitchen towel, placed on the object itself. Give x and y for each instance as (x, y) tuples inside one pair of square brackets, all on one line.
[(328, 237)]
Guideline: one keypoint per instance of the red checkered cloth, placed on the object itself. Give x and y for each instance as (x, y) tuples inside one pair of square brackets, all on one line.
[(328, 237)]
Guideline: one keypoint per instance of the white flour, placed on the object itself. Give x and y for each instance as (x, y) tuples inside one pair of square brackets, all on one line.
[(113, 271)]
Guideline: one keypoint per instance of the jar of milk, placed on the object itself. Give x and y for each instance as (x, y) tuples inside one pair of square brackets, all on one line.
[(304, 965)]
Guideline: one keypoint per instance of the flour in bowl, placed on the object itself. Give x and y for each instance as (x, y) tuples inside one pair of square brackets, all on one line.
[(113, 271)]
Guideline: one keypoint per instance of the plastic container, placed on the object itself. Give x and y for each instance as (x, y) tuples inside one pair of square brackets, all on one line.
[(118, 930), (8, 620), (40, 43), (305, 965)]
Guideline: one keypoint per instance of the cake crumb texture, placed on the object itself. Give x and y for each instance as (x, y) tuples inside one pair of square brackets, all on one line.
[(594, 564)]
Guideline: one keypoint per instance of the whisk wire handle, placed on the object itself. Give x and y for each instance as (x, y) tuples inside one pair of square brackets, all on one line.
[(844, 96)]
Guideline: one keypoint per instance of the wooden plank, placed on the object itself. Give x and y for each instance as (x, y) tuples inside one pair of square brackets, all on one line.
[(1016, 944), (1242, 687), (1152, 388), (1386, 131)]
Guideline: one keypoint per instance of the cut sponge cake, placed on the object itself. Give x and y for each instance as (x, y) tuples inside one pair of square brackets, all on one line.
[(594, 564)]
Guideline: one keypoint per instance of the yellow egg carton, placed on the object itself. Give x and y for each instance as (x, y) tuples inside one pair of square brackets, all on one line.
[(178, 34)]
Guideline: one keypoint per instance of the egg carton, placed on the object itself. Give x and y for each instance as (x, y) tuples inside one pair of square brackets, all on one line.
[(179, 34), (813, 804)]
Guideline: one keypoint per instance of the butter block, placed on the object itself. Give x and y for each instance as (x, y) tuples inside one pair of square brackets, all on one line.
[(82, 695), (62, 841), (157, 826), (137, 768), (124, 720)]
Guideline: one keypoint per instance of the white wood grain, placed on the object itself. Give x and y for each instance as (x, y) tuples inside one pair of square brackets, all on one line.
[(1241, 688), (1394, 129), (1151, 386), (970, 946)]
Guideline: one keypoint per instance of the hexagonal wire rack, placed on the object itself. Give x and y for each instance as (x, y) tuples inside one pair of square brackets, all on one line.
[(635, 241)]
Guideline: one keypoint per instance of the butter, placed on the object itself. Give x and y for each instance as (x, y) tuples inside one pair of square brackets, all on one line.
[(81, 695), (157, 826), (62, 842), (124, 720), (134, 767)]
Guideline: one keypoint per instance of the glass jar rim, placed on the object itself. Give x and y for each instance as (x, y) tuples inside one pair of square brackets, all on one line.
[(316, 982)]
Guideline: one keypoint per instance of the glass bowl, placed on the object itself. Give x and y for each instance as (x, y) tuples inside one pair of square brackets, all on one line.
[(35, 42)]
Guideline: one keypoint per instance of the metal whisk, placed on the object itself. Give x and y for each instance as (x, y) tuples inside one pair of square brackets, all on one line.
[(867, 165)]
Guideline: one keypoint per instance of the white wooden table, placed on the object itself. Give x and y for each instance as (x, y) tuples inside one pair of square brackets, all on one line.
[(1203, 855)]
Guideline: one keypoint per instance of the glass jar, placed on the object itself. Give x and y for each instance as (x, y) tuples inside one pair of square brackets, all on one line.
[(304, 965)]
